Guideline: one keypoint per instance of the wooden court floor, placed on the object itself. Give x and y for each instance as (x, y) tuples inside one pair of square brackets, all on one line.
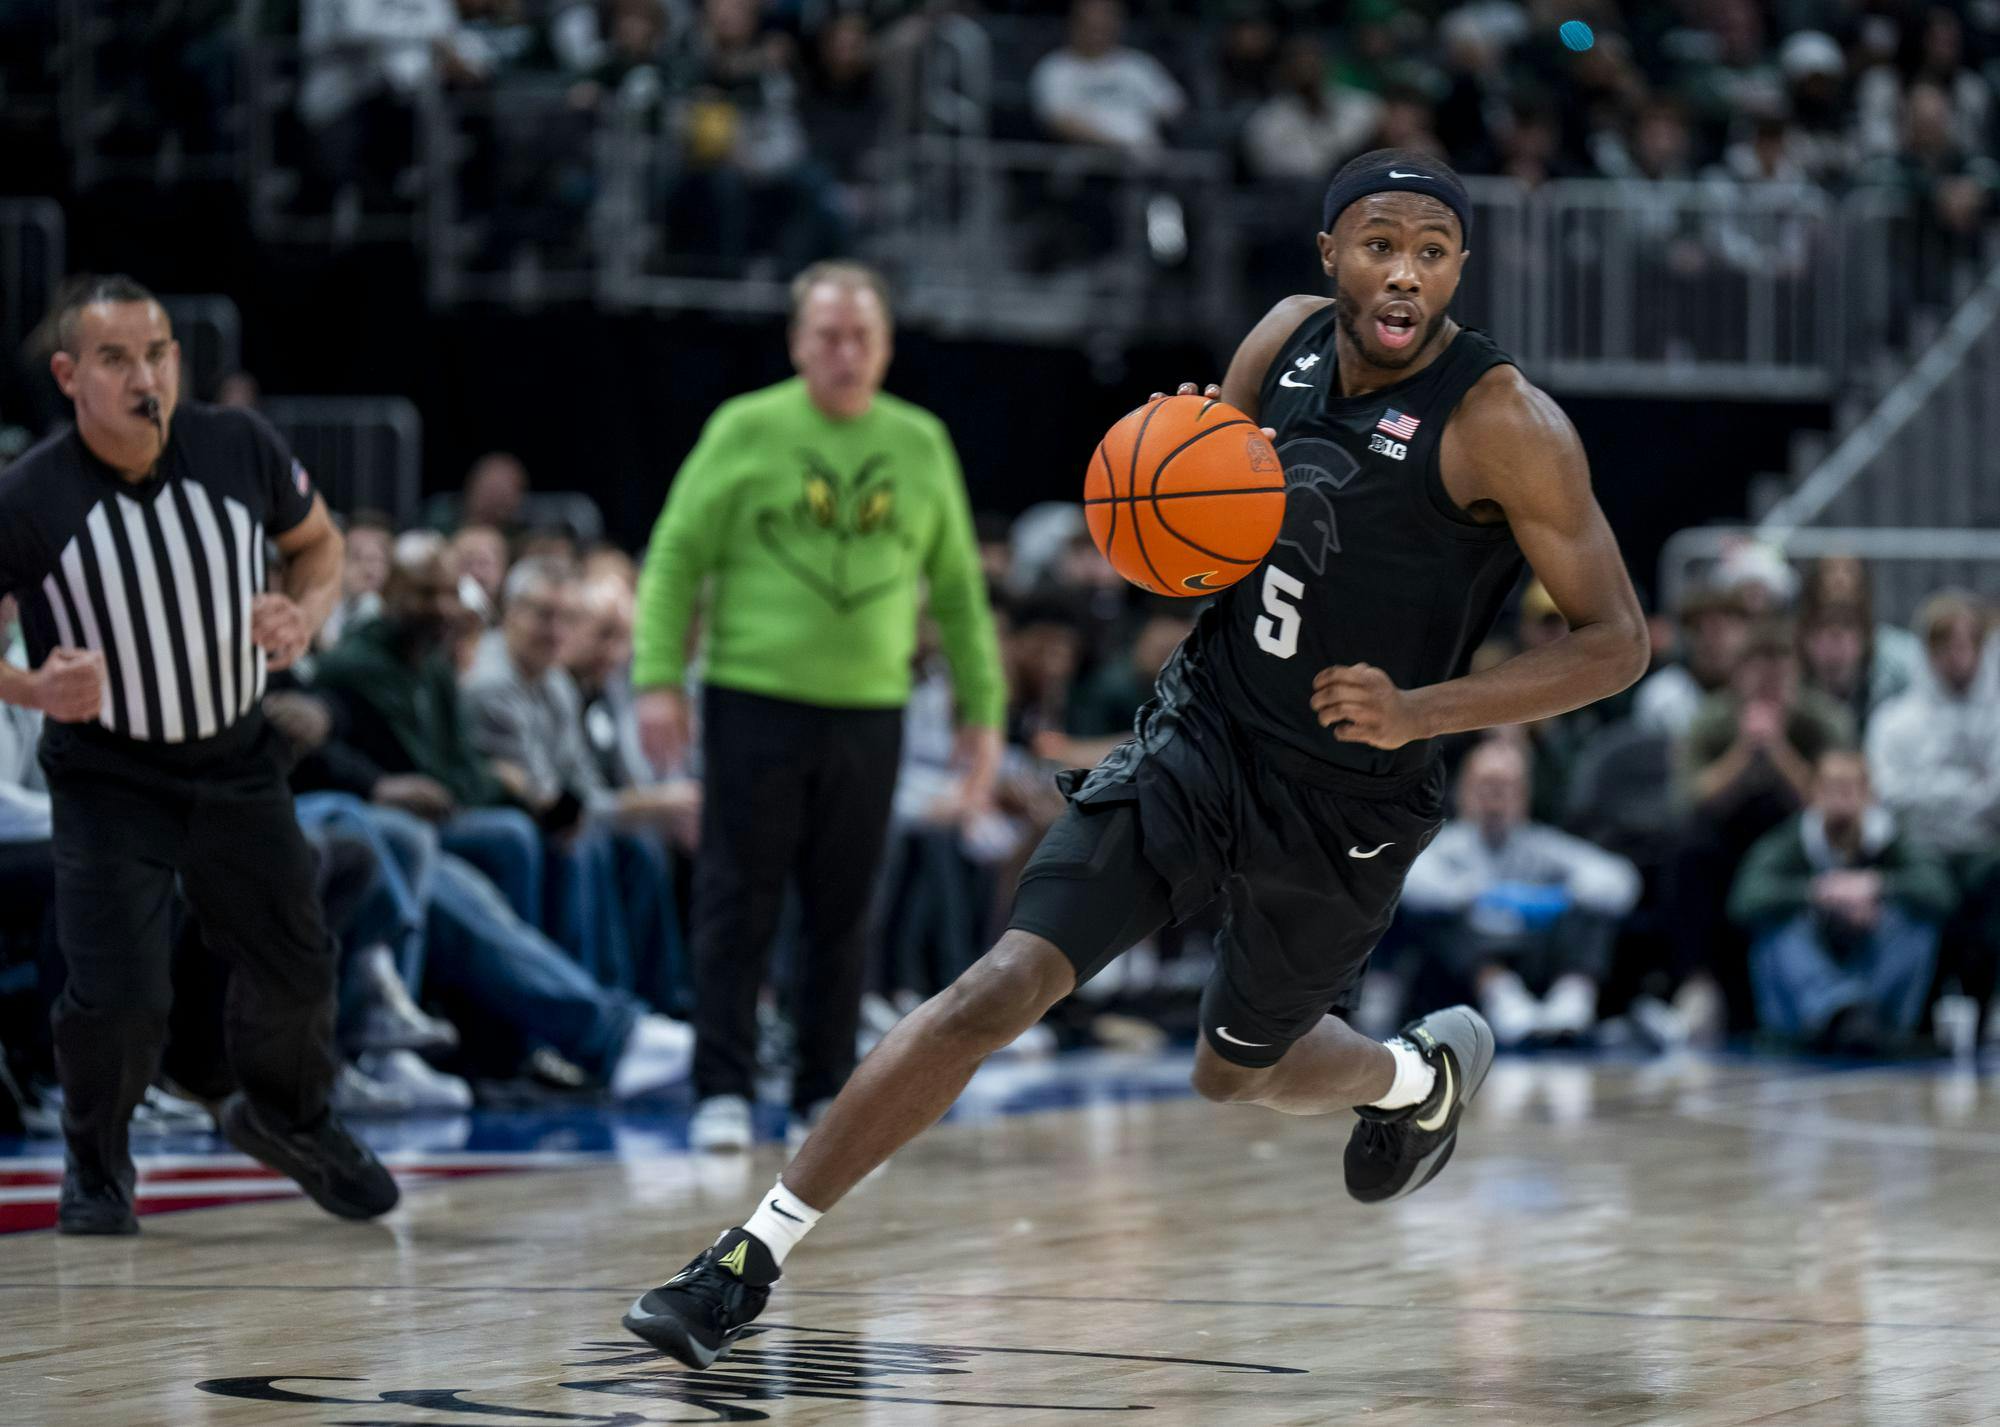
[(1697, 1243)]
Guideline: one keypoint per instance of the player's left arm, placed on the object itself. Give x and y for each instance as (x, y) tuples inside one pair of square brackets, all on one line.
[(313, 550), (1512, 445)]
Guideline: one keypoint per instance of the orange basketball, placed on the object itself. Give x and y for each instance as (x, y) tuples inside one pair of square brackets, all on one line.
[(1184, 496)]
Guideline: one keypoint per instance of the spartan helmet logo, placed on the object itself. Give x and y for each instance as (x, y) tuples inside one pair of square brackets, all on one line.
[(1314, 469)]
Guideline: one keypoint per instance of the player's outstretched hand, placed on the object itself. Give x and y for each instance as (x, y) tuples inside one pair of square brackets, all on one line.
[(1363, 705), (1212, 391), (69, 687), (279, 628)]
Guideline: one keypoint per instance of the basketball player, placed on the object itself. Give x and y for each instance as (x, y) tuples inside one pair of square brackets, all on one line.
[(1286, 763)]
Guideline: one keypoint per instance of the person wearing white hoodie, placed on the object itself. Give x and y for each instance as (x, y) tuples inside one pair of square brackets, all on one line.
[(1521, 905), (1934, 754)]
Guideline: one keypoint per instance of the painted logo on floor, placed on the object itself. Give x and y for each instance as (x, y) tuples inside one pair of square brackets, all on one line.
[(772, 1363), (171, 1183)]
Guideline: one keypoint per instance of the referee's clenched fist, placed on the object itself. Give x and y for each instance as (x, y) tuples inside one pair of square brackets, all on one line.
[(69, 687)]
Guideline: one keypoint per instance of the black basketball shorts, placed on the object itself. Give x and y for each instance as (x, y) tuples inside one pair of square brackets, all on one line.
[(1309, 873)]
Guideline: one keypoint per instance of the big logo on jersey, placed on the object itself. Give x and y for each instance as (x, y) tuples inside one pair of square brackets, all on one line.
[(841, 538), (1314, 469)]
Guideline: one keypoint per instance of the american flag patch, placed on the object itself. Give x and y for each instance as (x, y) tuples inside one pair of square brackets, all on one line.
[(1397, 424), (300, 478)]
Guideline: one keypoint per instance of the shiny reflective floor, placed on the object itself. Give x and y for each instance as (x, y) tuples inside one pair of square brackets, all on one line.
[(1685, 1242)]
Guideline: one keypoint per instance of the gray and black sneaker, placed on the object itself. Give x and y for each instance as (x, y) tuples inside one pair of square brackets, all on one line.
[(1395, 1152), (94, 1203), (340, 1173), (695, 1315)]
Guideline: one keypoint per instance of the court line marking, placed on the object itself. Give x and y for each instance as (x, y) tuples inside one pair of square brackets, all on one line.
[(1633, 1314)]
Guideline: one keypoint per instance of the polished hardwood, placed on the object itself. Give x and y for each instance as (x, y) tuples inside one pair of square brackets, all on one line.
[(1680, 1244)]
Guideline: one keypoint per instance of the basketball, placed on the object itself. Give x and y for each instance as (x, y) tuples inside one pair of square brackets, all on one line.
[(1184, 496)]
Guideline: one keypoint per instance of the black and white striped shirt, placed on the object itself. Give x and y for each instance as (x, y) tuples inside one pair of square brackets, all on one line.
[(158, 575)]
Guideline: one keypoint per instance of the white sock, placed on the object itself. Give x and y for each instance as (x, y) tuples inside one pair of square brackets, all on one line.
[(781, 1221), (1415, 1077)]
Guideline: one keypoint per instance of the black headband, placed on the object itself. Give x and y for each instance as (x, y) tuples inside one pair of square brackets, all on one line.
[(1398, 178)]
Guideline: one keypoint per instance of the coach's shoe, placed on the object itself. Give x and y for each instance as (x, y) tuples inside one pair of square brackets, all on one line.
[(1394, 1152), (92, 1204), (695, 1315), (340, 1173)]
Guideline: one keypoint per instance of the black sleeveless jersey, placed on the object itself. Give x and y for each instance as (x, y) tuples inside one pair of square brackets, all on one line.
[(1374, 564)]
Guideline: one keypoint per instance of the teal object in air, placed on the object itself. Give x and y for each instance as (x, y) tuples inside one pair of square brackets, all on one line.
[(1576, 35)]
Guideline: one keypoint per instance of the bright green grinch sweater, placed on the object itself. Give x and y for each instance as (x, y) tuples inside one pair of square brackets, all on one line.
[(815, 539)]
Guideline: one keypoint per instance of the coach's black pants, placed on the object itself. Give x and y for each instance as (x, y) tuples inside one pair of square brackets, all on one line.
[(217, 816), (787, 789)]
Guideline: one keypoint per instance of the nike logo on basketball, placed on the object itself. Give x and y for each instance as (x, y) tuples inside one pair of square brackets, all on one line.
[(1364, 856), (1286, 380), (1394, 174), (1223, 1031), (1436, 1122), (775, 1209)]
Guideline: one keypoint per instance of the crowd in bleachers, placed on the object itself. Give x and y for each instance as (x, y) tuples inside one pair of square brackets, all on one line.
[(766, 114)]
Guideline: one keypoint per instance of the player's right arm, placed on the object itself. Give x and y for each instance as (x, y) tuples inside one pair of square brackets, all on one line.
[(1254, 355), (1244, 382)]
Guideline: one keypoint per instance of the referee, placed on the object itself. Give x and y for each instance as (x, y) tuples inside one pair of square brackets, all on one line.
[(135, 545), (816, 513)]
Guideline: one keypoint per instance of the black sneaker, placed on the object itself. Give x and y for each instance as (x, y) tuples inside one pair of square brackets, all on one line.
[(340, 1173), (91, 1204), (1396, 1152), (695, 1315)]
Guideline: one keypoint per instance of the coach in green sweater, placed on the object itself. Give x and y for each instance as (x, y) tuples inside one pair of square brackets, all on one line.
[(808, 524)]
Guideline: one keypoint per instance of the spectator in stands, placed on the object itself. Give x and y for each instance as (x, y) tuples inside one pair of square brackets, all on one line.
[(1844, 915), (1839, 658), (1530, 144), (1041, 652), (1098, 92), (842, 106), (1750, 752), (239, 389), (395, 691), (605, 561), (1815, 74), (371, 540), (1406, 122), (1896, 656), (495, 494), (750, 175), (1952, 187), (612, 892), (1746, 765), (1525, 913), (1716, 629), (1308, 127), (480, 554), (366, 63), (629, 69), (1104, 705), (1934, 756), (1933, 54), (27, 856)]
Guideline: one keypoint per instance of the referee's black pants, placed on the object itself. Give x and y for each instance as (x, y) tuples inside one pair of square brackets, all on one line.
[(788, 789), (130, 821)]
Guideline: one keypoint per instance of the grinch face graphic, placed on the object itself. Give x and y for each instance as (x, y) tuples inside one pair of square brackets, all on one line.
[(841, 538)]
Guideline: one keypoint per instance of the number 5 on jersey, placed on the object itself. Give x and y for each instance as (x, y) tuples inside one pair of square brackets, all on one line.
[(1278, 626)]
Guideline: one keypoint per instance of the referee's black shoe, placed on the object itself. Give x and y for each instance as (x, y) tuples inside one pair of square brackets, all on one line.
[(1396, 1152), (340, 1173), (94, 1204), (695, 1315)]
